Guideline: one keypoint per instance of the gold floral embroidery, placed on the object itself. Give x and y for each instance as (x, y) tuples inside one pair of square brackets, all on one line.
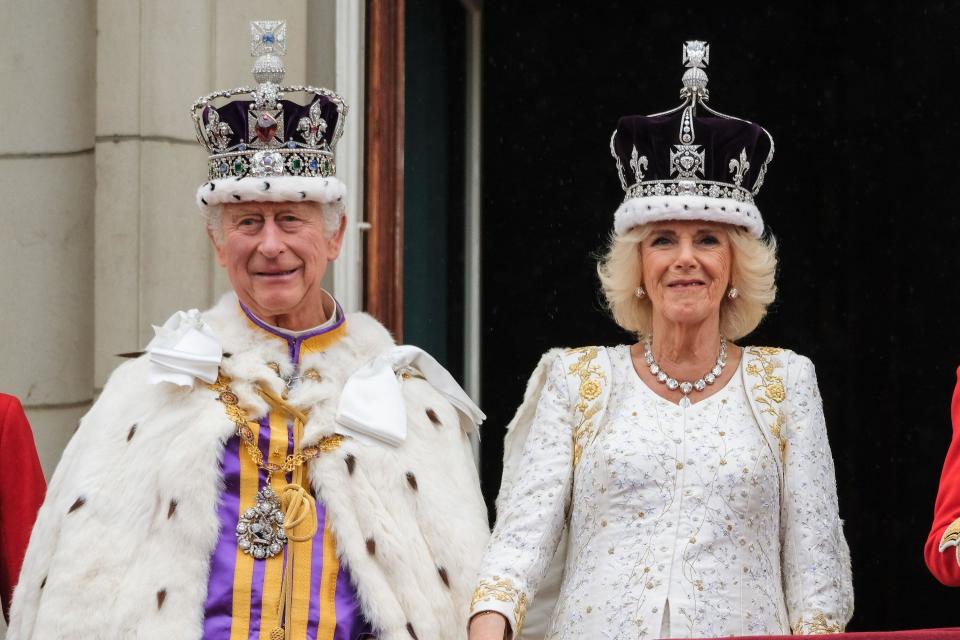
[(764, 367), (817, 625), (592, 378), (502, 590), (775, 392), (589, 390)]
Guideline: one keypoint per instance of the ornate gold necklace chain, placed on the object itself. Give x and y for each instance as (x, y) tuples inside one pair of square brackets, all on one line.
[(231, 404)]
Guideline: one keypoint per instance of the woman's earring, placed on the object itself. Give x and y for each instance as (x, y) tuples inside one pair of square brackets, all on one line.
[(733, 293), (639, 292)]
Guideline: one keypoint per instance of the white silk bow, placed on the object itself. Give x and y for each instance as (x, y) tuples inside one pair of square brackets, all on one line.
[(371, 405), (184, 348)]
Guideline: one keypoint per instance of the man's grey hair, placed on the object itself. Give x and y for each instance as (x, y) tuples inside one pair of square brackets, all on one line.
[(333, 213)]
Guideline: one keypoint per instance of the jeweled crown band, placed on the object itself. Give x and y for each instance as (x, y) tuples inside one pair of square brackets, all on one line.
[(706, 188), (289, 161)]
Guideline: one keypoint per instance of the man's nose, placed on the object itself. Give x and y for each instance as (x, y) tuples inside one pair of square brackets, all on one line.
[(271, 239)]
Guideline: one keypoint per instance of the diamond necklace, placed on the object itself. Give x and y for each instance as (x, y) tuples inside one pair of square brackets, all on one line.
[(685, 387)]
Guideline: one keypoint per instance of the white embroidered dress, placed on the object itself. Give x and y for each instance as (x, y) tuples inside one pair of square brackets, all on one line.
[(677, 524)]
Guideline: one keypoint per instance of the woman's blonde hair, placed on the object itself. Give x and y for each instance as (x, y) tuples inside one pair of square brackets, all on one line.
[(753, 273)]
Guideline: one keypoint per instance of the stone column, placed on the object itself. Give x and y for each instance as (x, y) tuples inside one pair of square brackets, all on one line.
[(152, 258), (47, 184)]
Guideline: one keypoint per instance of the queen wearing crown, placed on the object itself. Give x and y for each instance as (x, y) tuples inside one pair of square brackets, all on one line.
[(272, 467), (681, 486)]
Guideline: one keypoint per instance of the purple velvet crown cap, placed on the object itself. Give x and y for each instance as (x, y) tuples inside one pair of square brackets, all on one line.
[(722, 141), (241, 120), (690, 163)]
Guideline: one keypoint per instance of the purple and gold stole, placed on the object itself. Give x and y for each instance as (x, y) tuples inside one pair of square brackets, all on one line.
[(243, 593)]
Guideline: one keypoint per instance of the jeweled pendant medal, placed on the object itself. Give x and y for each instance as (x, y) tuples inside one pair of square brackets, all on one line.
[(260, 531)]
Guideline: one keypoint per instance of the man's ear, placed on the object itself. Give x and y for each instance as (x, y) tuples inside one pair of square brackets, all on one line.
[(335, 242), (217, 248)]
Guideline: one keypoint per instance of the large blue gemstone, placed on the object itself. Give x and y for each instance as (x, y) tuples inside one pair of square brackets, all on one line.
[(224, 168), (313, 164), (242, 147), (268, 38)]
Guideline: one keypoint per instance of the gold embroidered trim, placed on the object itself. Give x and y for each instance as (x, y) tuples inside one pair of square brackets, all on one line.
[(592, 379), (764, 366), (817, 625), (951, 538), (502, 590)]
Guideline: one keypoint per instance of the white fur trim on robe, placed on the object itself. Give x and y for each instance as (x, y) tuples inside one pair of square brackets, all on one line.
[(123, 541)]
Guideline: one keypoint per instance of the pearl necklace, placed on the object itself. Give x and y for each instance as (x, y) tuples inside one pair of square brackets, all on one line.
[(685, 387)]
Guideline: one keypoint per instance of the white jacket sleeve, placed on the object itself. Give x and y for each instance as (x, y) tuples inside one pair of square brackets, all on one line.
[(531, 519), (816, 560)]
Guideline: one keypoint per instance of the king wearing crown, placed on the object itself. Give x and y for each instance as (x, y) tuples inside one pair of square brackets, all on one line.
[(272, 467)]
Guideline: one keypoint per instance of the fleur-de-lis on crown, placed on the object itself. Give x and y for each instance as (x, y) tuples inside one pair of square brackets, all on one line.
[(218, 133), (638, 163), (313, 128), (739, 167)]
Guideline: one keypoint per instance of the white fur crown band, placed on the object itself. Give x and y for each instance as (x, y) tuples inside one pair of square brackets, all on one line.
[(639, 211), (276, 189)]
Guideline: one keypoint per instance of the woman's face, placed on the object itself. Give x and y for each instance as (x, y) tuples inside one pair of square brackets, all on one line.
[(686, 270)]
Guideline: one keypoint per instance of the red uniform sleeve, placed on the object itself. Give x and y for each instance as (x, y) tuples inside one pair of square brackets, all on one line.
[(944, 565), (22, 488)]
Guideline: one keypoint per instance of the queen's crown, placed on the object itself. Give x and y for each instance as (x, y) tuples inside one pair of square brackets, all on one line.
[(689, 150)]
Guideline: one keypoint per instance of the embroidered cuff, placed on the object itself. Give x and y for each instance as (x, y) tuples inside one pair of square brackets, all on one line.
[(950, 538), (500, 595), (816, 625)]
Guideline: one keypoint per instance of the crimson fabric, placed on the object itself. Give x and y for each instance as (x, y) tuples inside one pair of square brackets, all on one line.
[(952, 633), (944, 566), (22, 488)]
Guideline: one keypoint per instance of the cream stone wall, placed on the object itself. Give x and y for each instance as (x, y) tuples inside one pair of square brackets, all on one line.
[(47, 173)]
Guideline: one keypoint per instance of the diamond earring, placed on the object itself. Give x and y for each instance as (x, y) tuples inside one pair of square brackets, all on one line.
[(733, 293), (639, 292)]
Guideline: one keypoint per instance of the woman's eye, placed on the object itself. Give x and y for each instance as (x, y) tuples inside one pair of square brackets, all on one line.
[(710, 240), (661, 240)]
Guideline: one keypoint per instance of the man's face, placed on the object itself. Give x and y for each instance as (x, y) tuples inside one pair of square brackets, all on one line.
[(275, 254)]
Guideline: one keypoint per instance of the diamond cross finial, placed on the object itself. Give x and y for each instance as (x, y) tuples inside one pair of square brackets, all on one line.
[(268, 41), (696, 54), (268, 37)]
